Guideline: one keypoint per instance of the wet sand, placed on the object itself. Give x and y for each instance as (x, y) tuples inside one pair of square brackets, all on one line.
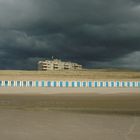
[(123, 103), (70, 116)]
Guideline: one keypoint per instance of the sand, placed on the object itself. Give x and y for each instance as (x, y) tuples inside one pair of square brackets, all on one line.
[(70, 116), (27, 125)]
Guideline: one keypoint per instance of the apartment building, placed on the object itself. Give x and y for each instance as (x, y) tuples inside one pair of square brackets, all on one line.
[(57, 64)]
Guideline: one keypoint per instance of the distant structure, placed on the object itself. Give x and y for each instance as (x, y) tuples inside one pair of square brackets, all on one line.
[(57, 64)]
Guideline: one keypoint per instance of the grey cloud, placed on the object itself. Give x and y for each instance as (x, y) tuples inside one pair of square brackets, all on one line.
[(130, 60), (91, 32)]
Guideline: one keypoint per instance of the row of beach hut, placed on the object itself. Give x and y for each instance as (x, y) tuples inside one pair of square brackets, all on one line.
[(89, 84)]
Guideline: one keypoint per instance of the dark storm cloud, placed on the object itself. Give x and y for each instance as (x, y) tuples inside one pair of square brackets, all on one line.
[(102, 33)]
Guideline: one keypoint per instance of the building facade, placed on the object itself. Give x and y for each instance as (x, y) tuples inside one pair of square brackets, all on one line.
[(57, 64)]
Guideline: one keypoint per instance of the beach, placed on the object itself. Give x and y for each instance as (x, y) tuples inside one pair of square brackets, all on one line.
[(66, 113), (70, 116), (32, 125)]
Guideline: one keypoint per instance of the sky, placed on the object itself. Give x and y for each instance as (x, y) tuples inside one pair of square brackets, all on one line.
[(94, 33)]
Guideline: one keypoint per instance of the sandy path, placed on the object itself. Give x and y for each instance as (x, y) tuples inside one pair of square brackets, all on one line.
[(23, 90)]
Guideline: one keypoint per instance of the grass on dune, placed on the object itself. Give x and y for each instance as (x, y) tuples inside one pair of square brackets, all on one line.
[(86, 74)]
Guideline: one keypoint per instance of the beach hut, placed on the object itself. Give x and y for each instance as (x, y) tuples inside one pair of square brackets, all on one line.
[(54, 83), (36, 83), (95, 84), (112, 83), (18, 83), (123, 84), (67, 84), (0, 83), (101, 84), (60, 84), (78, 84), (118, 84), (128, 84), (89, 83), (73, 84), (84, 84), (42, 83), (12, 83), (133, 84), (5, 83), (106, 84), (24, 83), (48, 83)]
